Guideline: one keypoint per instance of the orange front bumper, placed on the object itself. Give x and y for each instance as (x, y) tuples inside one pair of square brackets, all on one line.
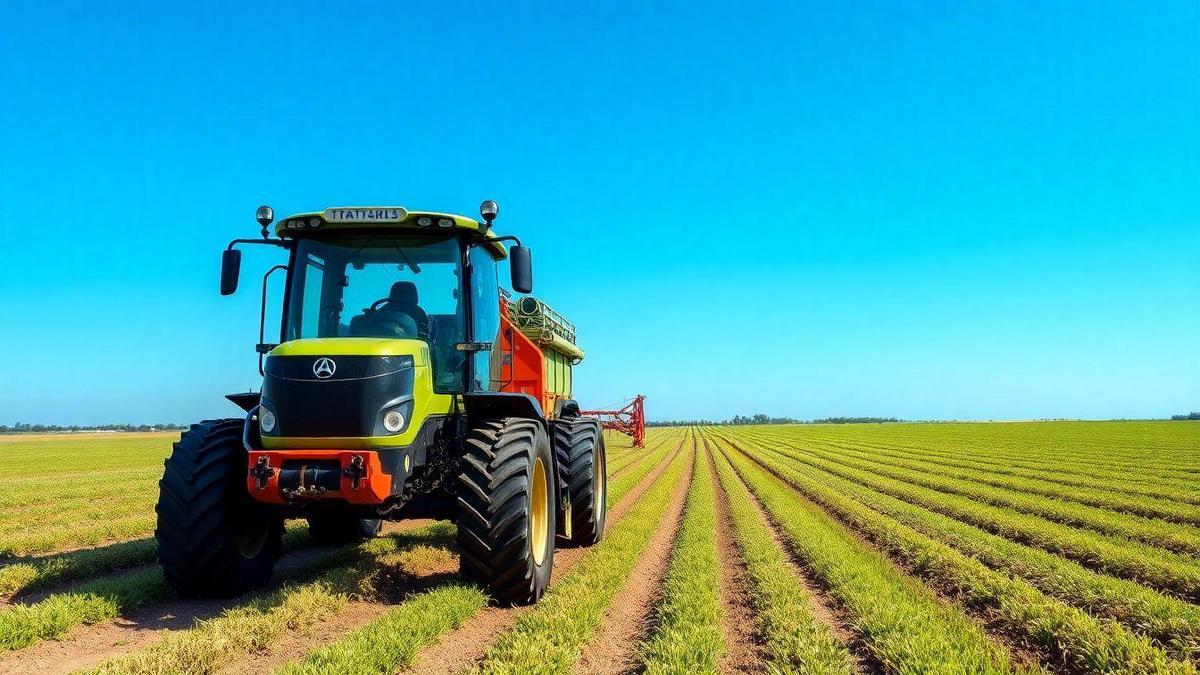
[(363, 480)]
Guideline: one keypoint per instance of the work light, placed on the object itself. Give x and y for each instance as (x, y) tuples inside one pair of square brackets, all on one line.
[(489, 210)]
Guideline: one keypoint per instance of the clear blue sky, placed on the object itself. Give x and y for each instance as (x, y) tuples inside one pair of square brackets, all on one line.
[(927, 210)]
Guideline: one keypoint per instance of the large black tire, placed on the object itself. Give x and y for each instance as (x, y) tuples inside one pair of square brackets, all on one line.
[(213, 539), (506, 509), (341, 529), (580, 449)]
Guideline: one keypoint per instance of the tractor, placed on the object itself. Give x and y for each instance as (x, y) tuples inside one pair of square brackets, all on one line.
[(405, 384)]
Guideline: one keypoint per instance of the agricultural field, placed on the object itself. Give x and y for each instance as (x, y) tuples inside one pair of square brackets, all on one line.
[(1058, 547)]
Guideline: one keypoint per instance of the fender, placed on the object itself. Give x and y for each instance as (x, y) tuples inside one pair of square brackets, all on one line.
[(565, 407), (247, 401), (492, 404)]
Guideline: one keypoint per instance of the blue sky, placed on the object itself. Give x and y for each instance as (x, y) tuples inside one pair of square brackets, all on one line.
[(926, 210)]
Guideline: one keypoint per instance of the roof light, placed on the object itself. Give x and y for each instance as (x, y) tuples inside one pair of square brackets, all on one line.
[(445, 222), (489, 210), (314, 222), (425, 221), (264, 215)]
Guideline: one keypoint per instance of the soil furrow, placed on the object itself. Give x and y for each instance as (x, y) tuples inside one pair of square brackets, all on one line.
[(745, 654), (629, 617), (824, 606), (466, 646), (1018, 646)]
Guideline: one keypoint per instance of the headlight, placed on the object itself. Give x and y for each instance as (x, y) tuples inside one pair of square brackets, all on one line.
[(266, 420), (393, 421)]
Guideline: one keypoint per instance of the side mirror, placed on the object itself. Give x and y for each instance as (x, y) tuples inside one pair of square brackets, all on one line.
[(521, 265), (231, 268)]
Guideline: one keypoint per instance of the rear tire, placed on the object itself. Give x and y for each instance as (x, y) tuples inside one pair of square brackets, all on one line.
[(213, 539), (333, 529), (506, 509), (580, 448)]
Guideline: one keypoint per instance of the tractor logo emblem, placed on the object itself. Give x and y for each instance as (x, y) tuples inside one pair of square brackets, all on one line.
[(324, 368)]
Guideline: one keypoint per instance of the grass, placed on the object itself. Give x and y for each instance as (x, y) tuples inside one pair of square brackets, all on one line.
[(904, 625), (34, 573), (1061, 506), (22, 625), (942, 548), (549, 638), (1065, 633), (795, 640), (78, 490), (687, 636), (254, 625), (1170, 572), (1172, 623), (390, 643), (1097, 492), (52, 618)]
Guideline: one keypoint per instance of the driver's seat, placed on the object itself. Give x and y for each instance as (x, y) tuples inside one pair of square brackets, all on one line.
[(403, 298)]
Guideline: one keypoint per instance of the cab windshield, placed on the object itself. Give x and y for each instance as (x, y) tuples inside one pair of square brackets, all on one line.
[(381, 286)]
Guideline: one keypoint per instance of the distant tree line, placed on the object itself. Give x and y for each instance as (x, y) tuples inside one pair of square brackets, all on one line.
[(760, 418), (24, 428), (1189, 416)]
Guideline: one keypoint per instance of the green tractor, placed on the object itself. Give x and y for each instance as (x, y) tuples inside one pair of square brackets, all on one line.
[(405, 384)]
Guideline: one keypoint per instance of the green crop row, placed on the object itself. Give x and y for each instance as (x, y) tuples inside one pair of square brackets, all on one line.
[(687, 635), (96, 531), (24, 624), (1172, 623), (795, 640), (549, 638), (1047, 493), (903, 624), (1131, 449), (619, 462), (37, 573), (1120, 482), (1068, 634), (1159, 533), (390, 643), (1166, 571), (255, 625)]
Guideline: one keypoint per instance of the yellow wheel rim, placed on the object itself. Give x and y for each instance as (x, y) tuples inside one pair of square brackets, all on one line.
[(598, 482), (539, 512)]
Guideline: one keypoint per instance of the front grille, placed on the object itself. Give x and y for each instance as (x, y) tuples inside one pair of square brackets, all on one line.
[(340, 406)]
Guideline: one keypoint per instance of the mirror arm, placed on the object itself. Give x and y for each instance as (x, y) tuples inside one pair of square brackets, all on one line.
[(497, 240), (281, 243)]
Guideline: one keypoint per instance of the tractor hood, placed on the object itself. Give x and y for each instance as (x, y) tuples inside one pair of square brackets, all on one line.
[(356, 346), (336, 392)]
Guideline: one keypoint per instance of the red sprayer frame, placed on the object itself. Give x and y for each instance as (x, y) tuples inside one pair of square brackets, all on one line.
[(630, 420)]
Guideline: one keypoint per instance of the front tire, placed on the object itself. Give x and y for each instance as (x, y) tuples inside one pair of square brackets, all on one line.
[(506, 510), (213, 539), (580, 448)]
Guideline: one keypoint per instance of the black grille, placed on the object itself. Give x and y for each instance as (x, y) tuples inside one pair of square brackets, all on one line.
[(349, 403)]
